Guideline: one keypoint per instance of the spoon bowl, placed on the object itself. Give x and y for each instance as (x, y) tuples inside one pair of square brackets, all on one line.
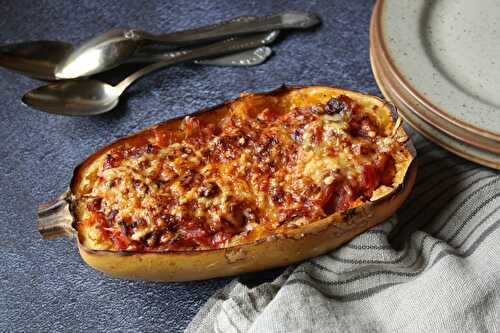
[(98, 54), (35, 59), (74, 97)]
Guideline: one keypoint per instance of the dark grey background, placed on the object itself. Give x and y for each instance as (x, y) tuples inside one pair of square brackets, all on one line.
[(44, 285)]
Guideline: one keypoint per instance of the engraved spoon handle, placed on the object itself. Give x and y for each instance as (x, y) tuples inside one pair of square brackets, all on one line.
[(242, 25), (244, 58)]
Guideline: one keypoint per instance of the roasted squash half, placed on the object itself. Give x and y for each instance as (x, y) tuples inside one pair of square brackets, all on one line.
[(261, 181)]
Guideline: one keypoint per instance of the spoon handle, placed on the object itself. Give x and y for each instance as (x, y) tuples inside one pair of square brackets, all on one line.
[(244, 58), (213, 50), (238, 26), (247, 58)]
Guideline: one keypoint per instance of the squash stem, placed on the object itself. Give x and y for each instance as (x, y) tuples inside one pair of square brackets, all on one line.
[(55, 218)]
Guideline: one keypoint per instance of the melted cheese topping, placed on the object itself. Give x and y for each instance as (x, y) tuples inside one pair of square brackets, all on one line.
[(210, 186)]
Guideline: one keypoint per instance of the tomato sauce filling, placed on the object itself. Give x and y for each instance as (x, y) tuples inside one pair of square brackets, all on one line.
[(211, 185)]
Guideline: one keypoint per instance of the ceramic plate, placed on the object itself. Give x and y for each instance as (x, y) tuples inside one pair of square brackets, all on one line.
[(447, 54), (441, 138), (429, 116)]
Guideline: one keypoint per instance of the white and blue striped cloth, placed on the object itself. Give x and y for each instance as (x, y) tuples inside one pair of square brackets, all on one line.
[(433, 267)]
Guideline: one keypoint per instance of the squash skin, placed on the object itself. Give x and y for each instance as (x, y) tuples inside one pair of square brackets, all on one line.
[(292, 246)]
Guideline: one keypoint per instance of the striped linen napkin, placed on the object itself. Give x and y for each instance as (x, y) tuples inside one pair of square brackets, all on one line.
[(433, 267)]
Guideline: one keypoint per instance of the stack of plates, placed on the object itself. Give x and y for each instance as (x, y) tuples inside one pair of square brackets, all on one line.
[(439, 63)]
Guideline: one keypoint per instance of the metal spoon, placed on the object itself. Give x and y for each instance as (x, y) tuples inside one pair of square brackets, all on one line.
[(113, 47), (87, 97), (39, 59)]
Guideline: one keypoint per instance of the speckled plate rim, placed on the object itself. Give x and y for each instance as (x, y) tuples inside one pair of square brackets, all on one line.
[(377, 19), (427, 115), (430, 132)]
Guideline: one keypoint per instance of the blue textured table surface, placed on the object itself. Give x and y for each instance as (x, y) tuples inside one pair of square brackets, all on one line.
[(44, 285)]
